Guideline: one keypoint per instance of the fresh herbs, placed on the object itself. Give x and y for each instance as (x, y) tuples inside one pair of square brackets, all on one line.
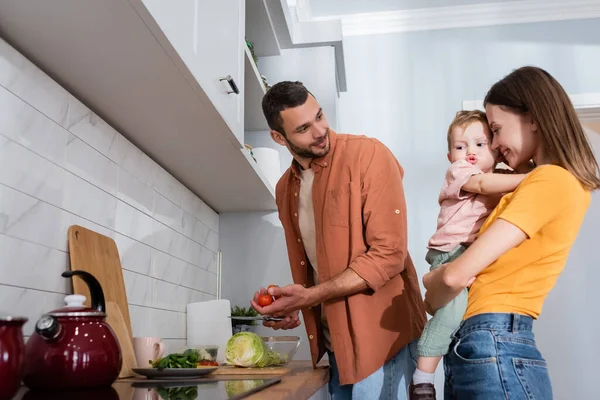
[(188, 359), (238, 311), (178, 393)]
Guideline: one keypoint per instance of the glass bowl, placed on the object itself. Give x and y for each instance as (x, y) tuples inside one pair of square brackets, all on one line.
[(285, 346)]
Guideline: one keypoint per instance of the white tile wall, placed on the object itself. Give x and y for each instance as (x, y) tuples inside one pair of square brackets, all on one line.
[(60, 165)]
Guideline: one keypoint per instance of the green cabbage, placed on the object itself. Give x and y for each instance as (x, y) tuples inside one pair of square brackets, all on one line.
[(247, 349), (233, 388)]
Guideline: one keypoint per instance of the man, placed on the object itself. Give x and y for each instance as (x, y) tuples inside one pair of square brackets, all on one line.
[(343, 211)]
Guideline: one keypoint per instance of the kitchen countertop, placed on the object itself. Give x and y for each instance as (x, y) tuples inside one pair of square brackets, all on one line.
[(301, 383)]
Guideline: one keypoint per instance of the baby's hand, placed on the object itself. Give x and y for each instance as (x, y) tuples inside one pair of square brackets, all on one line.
[(471, 281)]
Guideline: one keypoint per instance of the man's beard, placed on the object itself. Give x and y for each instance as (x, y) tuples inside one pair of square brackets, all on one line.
[(308, 153)]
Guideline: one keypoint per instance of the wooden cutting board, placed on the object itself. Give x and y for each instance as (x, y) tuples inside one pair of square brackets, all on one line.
[(98, 255), (231, 370), (115, 319)]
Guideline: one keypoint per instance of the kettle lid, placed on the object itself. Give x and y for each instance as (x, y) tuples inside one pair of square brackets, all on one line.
[(75, 308)]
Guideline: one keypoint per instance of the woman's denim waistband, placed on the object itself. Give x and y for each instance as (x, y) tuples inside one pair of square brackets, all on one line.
[(496, 322)]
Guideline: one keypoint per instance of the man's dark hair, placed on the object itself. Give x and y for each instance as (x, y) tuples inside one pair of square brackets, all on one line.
[(282, 95)]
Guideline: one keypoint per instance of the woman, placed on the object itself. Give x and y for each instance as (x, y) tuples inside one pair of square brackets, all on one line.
[(523, 245)]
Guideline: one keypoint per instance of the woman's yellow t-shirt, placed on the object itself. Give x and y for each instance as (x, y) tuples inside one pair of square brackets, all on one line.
[(549, 206)]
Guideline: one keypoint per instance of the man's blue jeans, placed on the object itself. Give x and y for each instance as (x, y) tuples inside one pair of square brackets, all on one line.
[(389, 382)]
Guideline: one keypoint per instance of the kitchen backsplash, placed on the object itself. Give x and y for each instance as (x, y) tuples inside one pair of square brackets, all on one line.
[(61, 165)]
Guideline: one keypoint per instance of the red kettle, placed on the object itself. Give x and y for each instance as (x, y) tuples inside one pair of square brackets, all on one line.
[(73, 347)]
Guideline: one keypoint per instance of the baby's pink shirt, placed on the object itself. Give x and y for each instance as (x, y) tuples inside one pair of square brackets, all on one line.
[(461, 213)]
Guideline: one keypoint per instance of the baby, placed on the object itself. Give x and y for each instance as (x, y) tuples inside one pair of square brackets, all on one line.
[(470, 192)]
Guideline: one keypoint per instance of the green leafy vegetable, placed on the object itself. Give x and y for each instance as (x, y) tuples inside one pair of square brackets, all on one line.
[(247, 349), (187, 359), (233, 388), (238, 311), (178, 393)]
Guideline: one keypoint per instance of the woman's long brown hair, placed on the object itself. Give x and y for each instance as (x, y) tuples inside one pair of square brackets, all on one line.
[(533, 90)]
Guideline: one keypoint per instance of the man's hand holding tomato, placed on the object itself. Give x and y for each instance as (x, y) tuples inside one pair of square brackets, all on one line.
[(281, 301)]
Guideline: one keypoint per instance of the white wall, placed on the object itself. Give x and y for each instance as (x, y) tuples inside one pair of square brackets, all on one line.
[(405, 88), (61, 165), (255, 256)]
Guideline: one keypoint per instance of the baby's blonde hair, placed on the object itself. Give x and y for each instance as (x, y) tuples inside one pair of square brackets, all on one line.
[(465, 118)]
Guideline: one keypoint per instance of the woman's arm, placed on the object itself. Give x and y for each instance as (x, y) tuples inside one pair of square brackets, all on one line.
[(493, 183), (446, 282)]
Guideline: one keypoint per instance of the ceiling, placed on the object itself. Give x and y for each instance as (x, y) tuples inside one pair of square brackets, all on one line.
[(326, 8)]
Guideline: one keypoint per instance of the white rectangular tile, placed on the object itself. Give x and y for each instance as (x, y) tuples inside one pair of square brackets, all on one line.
[(166, 239), (207, 257), (139, 288), (210, 217), (135, 192), (200, 279), (32, 266), (191, 203), (86, 162), (28, 127), (194, 229), (135, 256), (149, 292), (212, 241), (188, 223), (28, 218), (212, 264), (27, 81), (167, 212), (134, 223), (90, 128), (170, 296), (211, 284), (167, 268), (86, 200), (134, 161), (192, 251), (30, 173), (29, 303), (152, 322), (167, 185), (201, 296)]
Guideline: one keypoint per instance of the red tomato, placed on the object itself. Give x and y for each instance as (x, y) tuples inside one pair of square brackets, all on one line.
[(264, 300), (273, 286)]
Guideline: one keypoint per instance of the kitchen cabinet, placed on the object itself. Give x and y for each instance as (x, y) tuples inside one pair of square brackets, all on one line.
[(153, 70), (315, 67), (208, 35), (140, 65)]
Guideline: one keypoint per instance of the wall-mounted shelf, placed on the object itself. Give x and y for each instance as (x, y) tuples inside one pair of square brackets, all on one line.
[(254, 119), (260, 30)]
